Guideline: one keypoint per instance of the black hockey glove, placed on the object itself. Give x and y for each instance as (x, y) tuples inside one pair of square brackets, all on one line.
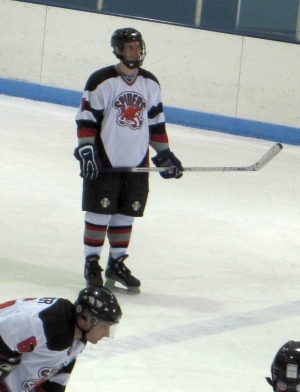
[(167, 159), (86, 157), (7, 365)]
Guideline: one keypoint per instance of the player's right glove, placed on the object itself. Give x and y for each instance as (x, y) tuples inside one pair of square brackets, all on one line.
[(86, 157)]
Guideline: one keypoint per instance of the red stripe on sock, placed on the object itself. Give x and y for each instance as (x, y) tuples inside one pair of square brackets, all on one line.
[(119, 244), (89, 242), (90, 226)]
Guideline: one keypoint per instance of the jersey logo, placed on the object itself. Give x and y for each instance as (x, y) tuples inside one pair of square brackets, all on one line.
[(44, 375), (131, 107)]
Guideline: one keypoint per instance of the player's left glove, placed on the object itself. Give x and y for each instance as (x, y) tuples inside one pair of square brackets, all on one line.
[(166, 158), (86, 157), (7, 365)]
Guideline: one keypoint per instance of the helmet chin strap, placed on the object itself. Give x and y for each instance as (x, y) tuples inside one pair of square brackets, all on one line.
[(129, 64), (83, 336)]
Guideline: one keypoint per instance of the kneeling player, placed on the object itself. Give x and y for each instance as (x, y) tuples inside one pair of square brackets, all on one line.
[(40, 338)]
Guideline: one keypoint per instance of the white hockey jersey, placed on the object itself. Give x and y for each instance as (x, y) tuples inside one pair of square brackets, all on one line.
[(121, 119), (42, 330)]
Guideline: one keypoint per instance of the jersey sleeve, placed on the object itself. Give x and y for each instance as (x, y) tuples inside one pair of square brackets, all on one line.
[(91, 111), (157, 128), (88, 119), (158, 138), (20, 332), (5, 351), (47, 321), (58, 321)]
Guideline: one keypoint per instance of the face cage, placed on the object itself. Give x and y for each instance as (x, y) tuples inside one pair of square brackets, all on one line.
[(132, 64), (112, 327)]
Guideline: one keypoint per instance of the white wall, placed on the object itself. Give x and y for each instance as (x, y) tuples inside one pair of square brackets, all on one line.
[(198, 70)]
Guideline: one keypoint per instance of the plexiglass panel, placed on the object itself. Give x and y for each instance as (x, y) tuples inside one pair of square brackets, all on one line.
[(272, 19)]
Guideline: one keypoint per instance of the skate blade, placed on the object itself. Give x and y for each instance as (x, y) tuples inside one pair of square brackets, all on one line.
[(110, 284)]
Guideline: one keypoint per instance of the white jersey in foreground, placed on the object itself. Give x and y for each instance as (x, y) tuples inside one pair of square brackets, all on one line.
[(42, 331)]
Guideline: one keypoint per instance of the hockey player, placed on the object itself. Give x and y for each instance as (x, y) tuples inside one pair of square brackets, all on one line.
[(285, 369), (40, 338), (121, 114)]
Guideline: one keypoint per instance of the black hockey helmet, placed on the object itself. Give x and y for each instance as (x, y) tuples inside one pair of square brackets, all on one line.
[(285, 368), (128, 34), (100, 302)]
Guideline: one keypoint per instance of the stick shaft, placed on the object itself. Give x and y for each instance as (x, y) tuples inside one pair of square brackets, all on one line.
[(266, 158)]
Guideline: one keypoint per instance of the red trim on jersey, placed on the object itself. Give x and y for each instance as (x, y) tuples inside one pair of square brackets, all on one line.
[(6, 304), (86, 132), (147, 161), (160, 138), (82, 104)]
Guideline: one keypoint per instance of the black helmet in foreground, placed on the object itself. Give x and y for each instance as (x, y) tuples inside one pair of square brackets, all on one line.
[(285, 368), (100, 302), (128, 34)]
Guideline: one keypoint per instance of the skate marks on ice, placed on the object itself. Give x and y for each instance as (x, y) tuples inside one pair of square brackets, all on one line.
[(118, 288), (198, 330), (15, 271), (192, 303)]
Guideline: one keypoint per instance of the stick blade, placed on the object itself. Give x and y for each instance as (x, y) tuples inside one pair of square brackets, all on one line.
[(269, 155)]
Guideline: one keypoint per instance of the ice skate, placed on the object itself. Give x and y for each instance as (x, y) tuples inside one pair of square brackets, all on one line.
[(116, 271), (93, 271)]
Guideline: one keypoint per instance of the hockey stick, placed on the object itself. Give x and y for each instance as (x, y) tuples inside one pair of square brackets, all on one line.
[(266, 158)]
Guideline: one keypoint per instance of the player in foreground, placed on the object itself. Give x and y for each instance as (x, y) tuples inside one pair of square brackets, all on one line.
[(285, 368), (40, 338), (121, 114)]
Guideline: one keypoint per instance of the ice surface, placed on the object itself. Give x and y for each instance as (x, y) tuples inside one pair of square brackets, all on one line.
[(217, 254)]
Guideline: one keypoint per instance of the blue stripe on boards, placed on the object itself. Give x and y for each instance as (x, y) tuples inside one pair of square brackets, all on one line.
[(38, 92), (189, 118), (235, 126)]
